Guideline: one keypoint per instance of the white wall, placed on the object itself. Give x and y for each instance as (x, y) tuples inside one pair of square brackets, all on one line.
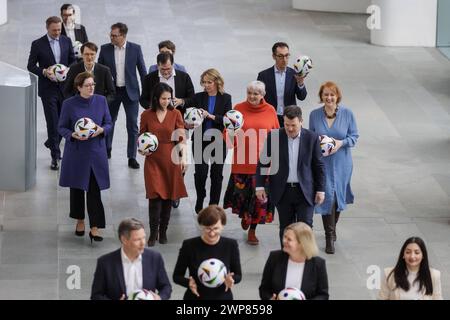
[(406, 23), (350, 6), (3, 12)]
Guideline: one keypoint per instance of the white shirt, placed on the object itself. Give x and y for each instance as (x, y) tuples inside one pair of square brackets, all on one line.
[(293, 148), (280, 82), (132, 272), (413, 293), (70, 31), (91, 71), (294, 274), (170, 81), (119, 58)]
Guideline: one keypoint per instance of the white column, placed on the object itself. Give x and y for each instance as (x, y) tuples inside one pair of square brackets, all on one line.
[(405, 23), (349, 6), (3, 12)]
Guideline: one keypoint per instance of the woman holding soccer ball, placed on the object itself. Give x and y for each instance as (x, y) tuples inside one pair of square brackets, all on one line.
[(84, 167), (336, 121)]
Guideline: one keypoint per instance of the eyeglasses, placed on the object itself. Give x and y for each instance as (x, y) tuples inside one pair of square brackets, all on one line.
[(89, 85), (281, 56), (210, 229), (112, 35)]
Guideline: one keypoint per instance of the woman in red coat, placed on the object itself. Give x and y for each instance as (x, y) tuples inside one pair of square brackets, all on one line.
[(163, 169)]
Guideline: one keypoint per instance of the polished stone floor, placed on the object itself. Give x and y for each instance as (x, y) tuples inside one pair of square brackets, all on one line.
[(400, 96)]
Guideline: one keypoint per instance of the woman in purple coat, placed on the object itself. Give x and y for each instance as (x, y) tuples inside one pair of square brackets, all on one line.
[(84, 166)]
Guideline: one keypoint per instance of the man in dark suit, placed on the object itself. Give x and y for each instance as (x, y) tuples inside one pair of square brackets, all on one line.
[(131, 268), (75, 31), (297, 171), (45, 52), (282, 82), (123, 58), (103, 79)]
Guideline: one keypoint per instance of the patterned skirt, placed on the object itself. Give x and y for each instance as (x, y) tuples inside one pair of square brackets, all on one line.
[(241, 198)]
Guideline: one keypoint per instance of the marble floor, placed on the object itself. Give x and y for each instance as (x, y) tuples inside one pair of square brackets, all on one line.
[(400, 97)]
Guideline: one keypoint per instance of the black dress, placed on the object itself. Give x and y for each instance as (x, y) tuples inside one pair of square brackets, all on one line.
[(193, 252)]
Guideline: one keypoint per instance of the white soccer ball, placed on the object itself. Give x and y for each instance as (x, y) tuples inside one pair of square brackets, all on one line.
[(85, 127), (60, 71), (327, 145), (302, 65), (291, 294), (233, 120), (147, 143), (77, 49), (212, 273), (193, 116), (141, 295)]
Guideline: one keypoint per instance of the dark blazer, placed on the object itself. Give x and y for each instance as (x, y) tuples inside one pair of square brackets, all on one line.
[(102, 76), (109, 282), (310, 166), (133, 59), (80, 33), (222, 106), (314, 280), (183, 88), (291, 89), (41, 57)]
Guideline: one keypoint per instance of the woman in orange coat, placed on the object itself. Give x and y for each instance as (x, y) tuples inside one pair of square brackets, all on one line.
[(163, 169)]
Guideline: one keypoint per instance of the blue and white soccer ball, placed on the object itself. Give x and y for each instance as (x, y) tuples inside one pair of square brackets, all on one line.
[(212, 273), (302, 65), (233, 120), (147, 143), (193, 116), (327, 145), (60, 71), (77, 49), (291, 294), (141, 295), (85, 127)]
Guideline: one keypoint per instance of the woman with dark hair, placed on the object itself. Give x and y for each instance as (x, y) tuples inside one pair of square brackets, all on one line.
[(209, 245), (412, 278), (163, 169)]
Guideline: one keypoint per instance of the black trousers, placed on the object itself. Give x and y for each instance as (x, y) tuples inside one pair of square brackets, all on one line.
[(202, 166), (95, 208), (52, 109), (293, 207)]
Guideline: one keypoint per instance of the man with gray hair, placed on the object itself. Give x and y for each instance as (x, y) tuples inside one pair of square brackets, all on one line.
[(130, 268)]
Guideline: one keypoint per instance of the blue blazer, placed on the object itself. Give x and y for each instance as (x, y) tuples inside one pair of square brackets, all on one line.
[(310, 166), (133, 59), (41, 57), (291, 89), (109, 281)]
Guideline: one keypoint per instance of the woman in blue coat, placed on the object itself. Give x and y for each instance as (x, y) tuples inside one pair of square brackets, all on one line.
[(84, 166), (335, 121)]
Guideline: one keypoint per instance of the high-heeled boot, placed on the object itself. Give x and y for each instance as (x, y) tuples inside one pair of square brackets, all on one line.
[(164, 223), (328, 225)]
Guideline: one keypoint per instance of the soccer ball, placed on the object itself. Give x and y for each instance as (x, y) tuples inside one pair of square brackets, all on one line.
[(60, 71), (77, 49), (141, 295), (147, 143), (291, 294), (302, 65), (212, 273), (233, 120), (85, 127), (327, 145), (193, 116)]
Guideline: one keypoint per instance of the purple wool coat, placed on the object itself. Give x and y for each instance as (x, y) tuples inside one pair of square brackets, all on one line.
[(80, 157)]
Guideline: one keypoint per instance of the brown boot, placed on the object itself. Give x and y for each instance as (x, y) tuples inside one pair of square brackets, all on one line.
[(164, 221), (162, 235), (336, 219), (252, 239), (328, 225), (153, 236)]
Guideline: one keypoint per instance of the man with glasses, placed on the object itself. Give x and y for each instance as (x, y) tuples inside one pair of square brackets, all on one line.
[(283, 85), (75, 31), (103, 79), (123, 58)]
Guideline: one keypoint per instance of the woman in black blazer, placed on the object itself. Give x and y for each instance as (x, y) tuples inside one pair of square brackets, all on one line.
[(214, 103), (297, 265)]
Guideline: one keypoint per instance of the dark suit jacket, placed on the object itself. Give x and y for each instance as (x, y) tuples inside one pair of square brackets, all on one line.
[(102, 76), (183, 88), (314, 280), (310, 166), (133, 59), (80, 33), (41, 57), (109, 282), (291, 89)]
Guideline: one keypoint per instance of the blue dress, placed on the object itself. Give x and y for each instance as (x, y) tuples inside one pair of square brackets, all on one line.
[(80, 157), (338, 166)]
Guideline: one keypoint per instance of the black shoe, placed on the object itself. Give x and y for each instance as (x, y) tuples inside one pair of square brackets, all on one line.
[(108, 151), (95, 238), (47, 144), (54, 165), (79, 233), (132, 163), (175, 203)]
